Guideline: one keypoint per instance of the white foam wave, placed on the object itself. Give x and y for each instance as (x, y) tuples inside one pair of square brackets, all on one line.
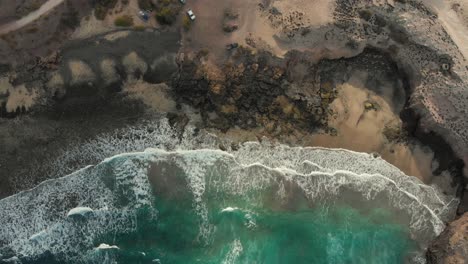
[(79, 211), (229, 209), (35, 220), (106, 246)]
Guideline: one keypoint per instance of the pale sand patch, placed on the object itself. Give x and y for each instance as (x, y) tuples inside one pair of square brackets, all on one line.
[(319, 12), (56, 82), (413, 160), (5, 85), (117, 35), (461, 8), (153, 95), (363, 130), (90, 26), (108, 71), (132, 63), (167, 58), (358, 129), (20, 97), (453, 14), (80, 72), (256, 26)]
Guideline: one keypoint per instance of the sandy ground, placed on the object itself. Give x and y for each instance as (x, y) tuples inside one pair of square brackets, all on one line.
[(154, 96), (80, 72), (19, 97), (454, 17), (362, 130), (257, 28), (207, 32)]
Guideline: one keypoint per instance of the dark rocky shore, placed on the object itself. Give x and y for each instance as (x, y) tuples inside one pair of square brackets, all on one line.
[(73, 113)]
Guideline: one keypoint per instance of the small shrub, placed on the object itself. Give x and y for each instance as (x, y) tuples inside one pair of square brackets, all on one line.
[(166, 16), (167, 2), (230, 27), (186, 23), (101, 7), (32, 30), (35, 6), (352, 44), (203, 53), (71, 19), (100, 12), (365, 14), (145, 4), (124, 21), (166, 11), (230, 14), (139, 28)]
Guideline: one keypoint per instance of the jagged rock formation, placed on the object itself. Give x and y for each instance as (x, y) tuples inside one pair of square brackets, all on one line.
[(452, 245)]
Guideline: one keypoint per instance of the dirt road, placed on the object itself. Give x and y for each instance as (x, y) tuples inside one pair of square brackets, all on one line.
[(31, 17)]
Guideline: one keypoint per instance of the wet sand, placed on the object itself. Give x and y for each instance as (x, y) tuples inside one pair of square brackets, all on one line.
[(413, 160)]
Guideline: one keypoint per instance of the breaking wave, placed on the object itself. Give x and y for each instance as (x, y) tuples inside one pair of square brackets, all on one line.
[(224, 206)]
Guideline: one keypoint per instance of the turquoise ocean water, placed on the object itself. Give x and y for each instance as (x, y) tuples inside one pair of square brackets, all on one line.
[(287, 205), (339, 234)]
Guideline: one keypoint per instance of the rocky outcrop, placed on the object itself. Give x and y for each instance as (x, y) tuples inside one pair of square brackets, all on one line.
[(252, 90), (247, 91), (451, 247)]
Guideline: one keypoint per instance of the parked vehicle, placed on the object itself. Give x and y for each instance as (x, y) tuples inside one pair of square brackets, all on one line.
[(143, 15), (191, 14), (183, 1), (232, 46)]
